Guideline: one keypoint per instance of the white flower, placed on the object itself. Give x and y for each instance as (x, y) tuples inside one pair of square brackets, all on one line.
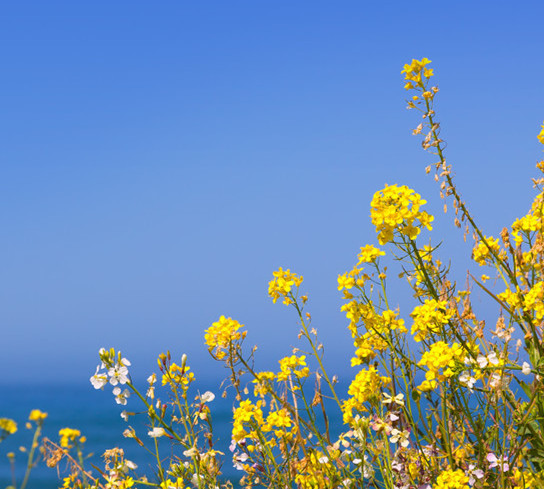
[(498, 381), (482, 361), (156, 432), (400, 437), (492, 358), (526, 369), (365, 468), (465, 378), (207, 397), (118, 374), (398, 399), (473, 472), (323, 460), (124, 415), (239, 460), (494, 461), (99, 380), (192, 452), (121, 397)]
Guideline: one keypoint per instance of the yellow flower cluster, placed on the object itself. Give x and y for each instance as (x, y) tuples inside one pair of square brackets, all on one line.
[(524, 480), (511, 298), (369, 254), (533, 221), (178, 375), (481, 254), (37, 415), (452, 479), (282, 284), (68, 435), (278, 421), (397, 209), (8, 426), (414, 71), (289, 366), (429, 318), (264, 383), (365, 387), (221, 334), (534, 301), (440, 361), (315, 471), (250, 414), (541, 135)]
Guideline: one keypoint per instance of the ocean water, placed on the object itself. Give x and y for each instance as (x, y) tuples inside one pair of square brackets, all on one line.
[(97, 416)]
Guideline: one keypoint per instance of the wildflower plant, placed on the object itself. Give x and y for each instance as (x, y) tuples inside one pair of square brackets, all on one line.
[(438, 399)]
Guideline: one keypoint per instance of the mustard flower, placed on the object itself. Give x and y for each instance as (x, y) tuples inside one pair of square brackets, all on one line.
[(369, 254), (541, 135), (281, 285), (246, 413), (441, 361), (367, 386), (178, 375), (415, 72), (397, 209), (37, 415), (452, 479), (290, 365), (481, 253), (221, 334), (429, 317), (68, 435), (7, 427)]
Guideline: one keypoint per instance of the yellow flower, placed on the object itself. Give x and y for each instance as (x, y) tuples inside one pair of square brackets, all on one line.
[(365, 387), (541, 135), (289, 366), (452, 479), (481, 253), (8, 426), (397, 209), (178, 375), (441, 361), (369, 254), (413, 72), (37, 415), (429, 318), (221, 334), (263, 383), (247, 415), (67, 435), (346, 281), (282, 284)]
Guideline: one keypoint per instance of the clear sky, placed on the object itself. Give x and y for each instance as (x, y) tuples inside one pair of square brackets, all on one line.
[(160, 159)]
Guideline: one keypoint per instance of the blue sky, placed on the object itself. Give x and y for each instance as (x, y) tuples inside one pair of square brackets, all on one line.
[(160, 159)]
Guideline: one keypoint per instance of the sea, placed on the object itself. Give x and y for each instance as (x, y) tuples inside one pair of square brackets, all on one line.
[(98, 417)]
